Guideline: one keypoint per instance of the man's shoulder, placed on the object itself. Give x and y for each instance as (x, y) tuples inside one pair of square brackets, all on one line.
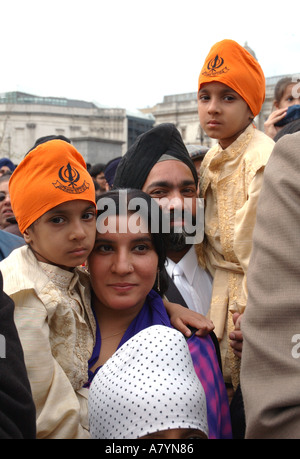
[(288, 145)]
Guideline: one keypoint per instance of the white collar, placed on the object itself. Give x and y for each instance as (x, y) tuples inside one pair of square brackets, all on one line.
[(188, 264)]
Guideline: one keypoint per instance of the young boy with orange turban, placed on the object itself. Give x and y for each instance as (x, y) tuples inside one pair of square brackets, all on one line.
[(53, 198), (231, 91)]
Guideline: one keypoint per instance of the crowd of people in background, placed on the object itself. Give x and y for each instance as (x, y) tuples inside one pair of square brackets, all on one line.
[(121, 334)]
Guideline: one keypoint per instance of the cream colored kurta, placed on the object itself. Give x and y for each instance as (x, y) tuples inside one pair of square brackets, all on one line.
[(230, 182), (56, 328)]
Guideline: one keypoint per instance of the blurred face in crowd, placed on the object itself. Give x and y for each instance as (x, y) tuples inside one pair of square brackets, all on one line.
[(101, 180), (5, 205), (291, 96), (4, 169)]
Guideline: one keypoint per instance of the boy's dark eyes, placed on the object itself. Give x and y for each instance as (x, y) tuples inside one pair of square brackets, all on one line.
[(57, 219), (60, 218), (230, 97), (89, 215), (204, 97)]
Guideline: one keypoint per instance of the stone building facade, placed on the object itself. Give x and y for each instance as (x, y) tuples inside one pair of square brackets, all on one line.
[(99, 133)]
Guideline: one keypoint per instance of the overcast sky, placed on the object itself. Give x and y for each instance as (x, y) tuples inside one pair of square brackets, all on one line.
[(131, 53)]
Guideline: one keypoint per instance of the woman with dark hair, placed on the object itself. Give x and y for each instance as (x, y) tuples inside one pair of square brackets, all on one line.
[(128, 281)]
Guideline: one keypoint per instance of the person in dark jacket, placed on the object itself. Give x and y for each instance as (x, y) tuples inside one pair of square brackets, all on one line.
[(9, 242), (17, 413)]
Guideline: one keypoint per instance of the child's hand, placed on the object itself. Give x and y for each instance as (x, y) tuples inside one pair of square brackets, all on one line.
[(236, 337), (274, 117), (180, 317)]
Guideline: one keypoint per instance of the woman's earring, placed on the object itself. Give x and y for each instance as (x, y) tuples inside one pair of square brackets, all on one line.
[(158, 279), (85, 266)]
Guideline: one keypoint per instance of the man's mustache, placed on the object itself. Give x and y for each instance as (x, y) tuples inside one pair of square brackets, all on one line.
[(185, 217)]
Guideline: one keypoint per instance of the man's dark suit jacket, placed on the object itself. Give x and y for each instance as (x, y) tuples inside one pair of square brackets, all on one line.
[(17, 409), (9, 242), (173, 295)]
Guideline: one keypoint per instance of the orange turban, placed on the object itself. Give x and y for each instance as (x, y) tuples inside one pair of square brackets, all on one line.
[(52, 173), (230, 64)]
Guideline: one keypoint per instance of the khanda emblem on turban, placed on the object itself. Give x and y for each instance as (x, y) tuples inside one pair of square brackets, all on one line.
[(70, 176), (213, 65)]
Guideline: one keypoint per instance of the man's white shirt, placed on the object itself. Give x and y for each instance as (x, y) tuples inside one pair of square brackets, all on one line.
[(192, 281)]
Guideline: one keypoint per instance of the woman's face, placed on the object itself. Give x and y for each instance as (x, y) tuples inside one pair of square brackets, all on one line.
[(122, 265)]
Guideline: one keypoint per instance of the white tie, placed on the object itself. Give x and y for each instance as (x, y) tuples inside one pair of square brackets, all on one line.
[(187, 291)]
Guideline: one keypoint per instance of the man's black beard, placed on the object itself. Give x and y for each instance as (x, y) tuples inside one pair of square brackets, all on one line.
[(177, 240)]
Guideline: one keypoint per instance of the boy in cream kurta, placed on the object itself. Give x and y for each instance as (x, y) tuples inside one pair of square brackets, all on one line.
[(231, 91), (54, 203), (56, 328)]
